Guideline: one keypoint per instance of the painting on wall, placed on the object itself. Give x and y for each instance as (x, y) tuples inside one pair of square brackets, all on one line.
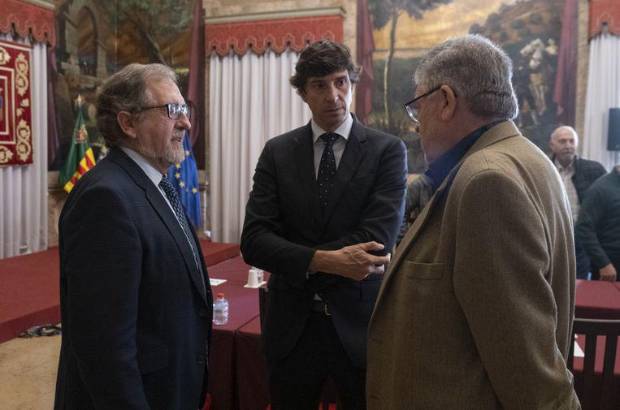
[(528, 30), (96, 39)]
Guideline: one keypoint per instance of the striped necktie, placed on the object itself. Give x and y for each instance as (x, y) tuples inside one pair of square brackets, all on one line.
[(173, 198)]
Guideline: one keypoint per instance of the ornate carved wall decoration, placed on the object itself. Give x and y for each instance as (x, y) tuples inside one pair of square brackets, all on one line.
[(604, 16), (15, 104), (28, 19), (277, 34)]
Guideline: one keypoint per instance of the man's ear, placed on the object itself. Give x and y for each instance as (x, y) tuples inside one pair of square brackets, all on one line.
[(127, 122), (449, 108)]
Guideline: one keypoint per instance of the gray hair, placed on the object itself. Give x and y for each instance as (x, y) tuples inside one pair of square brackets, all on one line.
[(564, 128), (477, 70), (126, 90)]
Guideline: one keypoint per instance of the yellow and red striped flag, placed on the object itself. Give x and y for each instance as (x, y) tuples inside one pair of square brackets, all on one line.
[(81, 157)]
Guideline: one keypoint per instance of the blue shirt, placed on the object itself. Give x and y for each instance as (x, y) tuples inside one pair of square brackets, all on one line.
[(439, 169)]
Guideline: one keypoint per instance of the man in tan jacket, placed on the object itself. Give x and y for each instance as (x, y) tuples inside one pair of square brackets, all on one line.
[(476, 309)]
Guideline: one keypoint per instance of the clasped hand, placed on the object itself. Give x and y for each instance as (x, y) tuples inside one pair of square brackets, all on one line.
[(354, 261)]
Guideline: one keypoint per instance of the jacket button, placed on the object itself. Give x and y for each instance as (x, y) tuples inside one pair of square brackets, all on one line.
[(200, 360)]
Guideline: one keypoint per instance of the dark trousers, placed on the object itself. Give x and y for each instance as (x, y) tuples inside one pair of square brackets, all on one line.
[(296, 381)]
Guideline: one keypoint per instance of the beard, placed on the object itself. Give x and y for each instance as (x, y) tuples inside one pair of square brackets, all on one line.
[(172, 153)]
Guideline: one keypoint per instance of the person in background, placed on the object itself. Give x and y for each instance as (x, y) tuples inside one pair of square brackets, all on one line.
[(577, 174), (477, 305), (135, 299), (598, 225), (324, 210)]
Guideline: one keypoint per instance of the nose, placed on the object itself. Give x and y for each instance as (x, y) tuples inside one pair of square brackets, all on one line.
[(332, 93), (183, 122)]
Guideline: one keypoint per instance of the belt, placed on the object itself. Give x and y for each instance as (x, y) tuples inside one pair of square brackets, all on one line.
[(320, 306)]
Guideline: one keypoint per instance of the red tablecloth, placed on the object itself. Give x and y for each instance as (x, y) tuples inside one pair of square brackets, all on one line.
[(242, 308), (251, 380), (234, 270), (597, 300)]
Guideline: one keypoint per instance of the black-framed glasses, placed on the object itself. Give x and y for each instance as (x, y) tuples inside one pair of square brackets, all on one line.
[(174, 110), (412, 112)]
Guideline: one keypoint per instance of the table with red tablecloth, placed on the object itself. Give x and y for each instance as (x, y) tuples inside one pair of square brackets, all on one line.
[(595, 299), (242, 308)]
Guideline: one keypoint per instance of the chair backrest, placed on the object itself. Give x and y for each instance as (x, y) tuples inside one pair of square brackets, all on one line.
[(610, 331)]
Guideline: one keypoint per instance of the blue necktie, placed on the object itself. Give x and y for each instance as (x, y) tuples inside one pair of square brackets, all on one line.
[(327, 169), (173, 198)]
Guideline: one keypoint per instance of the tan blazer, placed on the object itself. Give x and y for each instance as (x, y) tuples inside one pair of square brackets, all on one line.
[(476, 309)]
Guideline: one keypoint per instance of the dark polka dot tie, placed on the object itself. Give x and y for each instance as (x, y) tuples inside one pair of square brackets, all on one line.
[(173, 198), (327, 169)]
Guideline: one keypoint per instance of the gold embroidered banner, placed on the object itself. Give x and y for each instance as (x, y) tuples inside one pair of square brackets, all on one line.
[(15, 104)]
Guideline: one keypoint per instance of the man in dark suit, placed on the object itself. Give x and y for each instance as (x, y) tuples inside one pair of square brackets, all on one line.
[(134, 291), (577, 175), (324, 212)]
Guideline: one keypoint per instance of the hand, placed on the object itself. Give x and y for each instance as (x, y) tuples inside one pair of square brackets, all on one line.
[(608, 273), (352, 261)]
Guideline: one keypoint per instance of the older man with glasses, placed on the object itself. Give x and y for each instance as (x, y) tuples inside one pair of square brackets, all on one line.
[(475, 311), (135, 299)]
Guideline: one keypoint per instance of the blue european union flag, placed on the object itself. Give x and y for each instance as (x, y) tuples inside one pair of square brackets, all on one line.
[(184, 177)]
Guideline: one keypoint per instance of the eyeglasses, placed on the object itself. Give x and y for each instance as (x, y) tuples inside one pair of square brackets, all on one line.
[(173, 110), (412, 111)]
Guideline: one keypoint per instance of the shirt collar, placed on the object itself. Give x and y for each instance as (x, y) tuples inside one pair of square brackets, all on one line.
[(151, 172), (560, 167), (343, 129), (439, 169)]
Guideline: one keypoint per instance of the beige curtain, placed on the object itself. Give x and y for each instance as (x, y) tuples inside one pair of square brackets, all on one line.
[(250, 101)]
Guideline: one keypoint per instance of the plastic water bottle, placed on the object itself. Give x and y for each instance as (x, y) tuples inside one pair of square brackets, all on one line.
[(220, 310)]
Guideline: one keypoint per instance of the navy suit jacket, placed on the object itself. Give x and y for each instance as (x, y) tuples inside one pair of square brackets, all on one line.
[(284, 226), (135, 317)]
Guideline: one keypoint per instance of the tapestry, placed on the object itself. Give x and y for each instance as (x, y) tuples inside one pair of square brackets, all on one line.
[(15, 104)]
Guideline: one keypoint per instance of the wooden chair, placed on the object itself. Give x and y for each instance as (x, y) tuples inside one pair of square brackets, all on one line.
[(592, 328)]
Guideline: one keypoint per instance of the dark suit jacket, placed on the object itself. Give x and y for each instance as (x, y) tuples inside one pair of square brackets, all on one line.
[(135, 318), (284, 225), (586, 172)]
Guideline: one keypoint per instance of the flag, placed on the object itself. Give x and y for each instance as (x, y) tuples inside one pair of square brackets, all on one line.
[(184, 177), (81, 157)]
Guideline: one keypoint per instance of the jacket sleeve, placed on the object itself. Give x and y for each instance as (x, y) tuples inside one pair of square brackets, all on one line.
[(101, 266), (501, 262), (262, 239), (591, 214), (383, 212)]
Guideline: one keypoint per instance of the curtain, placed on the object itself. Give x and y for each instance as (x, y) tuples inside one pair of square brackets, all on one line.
[(23, 189), (250, 101), (603, 93)]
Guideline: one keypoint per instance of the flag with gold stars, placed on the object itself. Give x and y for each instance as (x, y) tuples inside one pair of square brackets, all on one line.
[(184, 177)]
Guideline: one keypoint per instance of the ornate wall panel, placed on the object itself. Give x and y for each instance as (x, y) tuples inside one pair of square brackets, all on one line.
[(28, 19), (15, 105), (275, 34)]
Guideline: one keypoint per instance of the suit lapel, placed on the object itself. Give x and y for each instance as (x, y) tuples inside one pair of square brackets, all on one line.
[(349, 163), (169, 219), (499, 132), (166, 214), (304, 158)]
